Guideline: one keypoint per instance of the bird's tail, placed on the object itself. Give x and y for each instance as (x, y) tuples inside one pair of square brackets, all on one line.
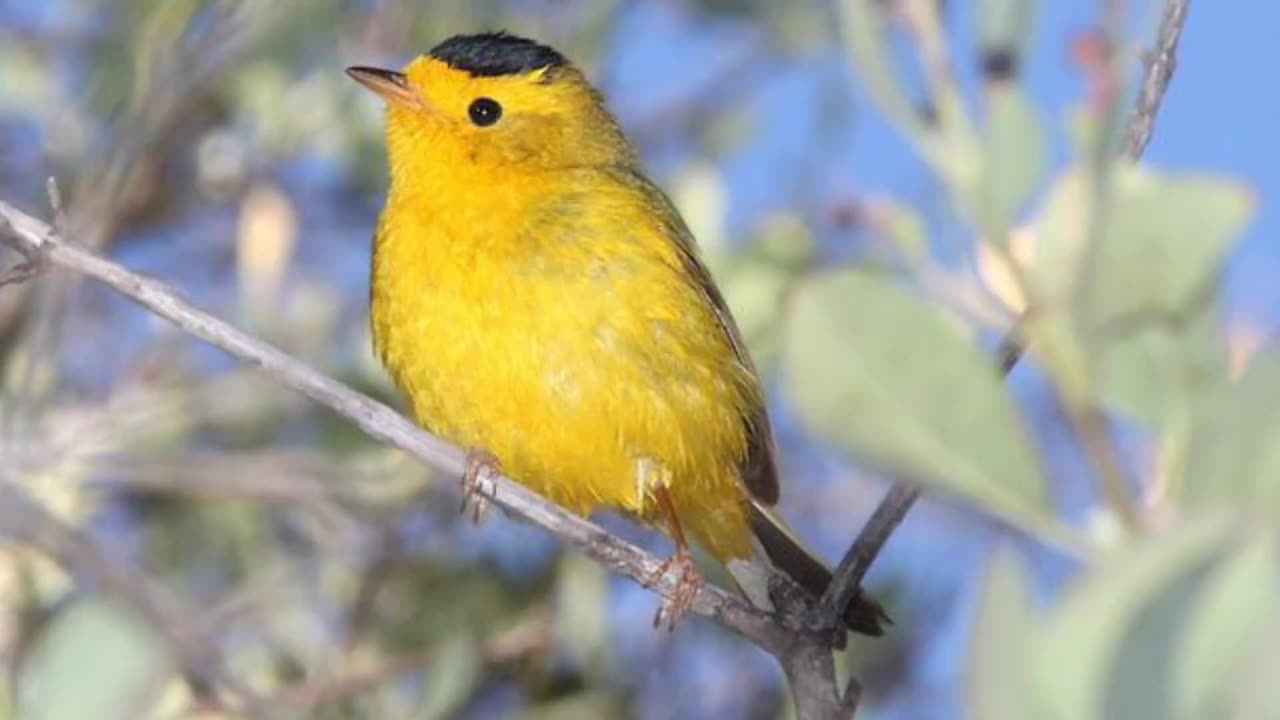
[(783, 552)]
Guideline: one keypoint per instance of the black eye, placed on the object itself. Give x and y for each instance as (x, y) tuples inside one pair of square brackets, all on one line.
[(484, 111)]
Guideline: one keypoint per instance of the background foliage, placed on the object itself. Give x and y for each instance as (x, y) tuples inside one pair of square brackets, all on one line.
[(880, 201)]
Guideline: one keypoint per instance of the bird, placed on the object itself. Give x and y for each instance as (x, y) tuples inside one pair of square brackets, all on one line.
[(538, 300)]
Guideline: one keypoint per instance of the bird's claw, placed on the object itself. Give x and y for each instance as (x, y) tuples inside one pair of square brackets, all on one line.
[(477, 487), (676, 605)]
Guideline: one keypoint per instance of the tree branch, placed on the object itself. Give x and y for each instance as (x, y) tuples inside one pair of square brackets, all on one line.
[(893, 508), (1161, 61), (805, 656), (773, 634), (846, 581)]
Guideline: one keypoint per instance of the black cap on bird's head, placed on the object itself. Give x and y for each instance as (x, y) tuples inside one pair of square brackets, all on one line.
[(496, 54), (482, 55), (495, 99)]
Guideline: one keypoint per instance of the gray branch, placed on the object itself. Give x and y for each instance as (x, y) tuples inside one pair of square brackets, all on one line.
[(1161, 61), (799, 650), (898, 501)]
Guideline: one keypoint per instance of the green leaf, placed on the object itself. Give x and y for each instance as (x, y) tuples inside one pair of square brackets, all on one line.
[(948, 146), (1158, 372), (581, 627), (1081, 640), (1157, 250), (1063, 237), (1240, 597), (756, 281), (1254, 695), (92, 660), (874, 370), (1162, 243), (1131, 297), (1233, 453), (1014, 161), (755, 294), (452, 676), (1006, 26), (865, 30), (901, 226), (999, 660)]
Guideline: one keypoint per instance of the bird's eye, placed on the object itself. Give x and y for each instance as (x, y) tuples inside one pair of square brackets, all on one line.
[(484, 111)]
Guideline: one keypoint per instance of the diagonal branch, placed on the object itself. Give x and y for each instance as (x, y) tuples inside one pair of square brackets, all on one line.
[(1161, 61), (383, 423), (846, 581), (893, 508)]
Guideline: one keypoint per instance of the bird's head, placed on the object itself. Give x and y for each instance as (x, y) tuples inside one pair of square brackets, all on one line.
[(492, 102)]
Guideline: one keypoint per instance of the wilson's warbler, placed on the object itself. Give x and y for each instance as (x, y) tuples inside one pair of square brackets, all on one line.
[(540, 301)]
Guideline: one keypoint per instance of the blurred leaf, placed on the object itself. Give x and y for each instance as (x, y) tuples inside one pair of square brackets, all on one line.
[(1015, 160), (1002, 279), (264, 250), (1157, 250), (1006, 27), (1062, 233), (452, 676), (1158, 371), (587, 705), (699, 194), (876, 371), (783, 240), (1233, 452), (1161, 244), (902, 226), (1133, 307), (1240, 597), (755, 283), (427, 601), (1081, 640), (156, 42), (999, 660), (580, 624), (866, 29), (1255, 696), (93, 660), (866, 32), (27, 81)]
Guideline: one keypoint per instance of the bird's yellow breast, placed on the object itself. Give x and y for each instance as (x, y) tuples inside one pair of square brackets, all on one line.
[(550, 320)]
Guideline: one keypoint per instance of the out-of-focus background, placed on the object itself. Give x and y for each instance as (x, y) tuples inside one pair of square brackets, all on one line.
[(219, 146)]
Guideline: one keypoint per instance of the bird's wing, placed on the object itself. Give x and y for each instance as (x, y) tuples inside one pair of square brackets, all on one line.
[(759, 469)]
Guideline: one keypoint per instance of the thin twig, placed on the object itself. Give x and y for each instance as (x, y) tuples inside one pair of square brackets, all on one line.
[(1090, 426), (1161, 61), (1088, 422), (383, 423), (846, 581), (33, 260)]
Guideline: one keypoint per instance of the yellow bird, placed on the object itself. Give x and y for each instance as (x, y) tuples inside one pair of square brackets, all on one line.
[(540, 301)]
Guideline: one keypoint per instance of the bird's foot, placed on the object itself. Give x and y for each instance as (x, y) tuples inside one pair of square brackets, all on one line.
[(477, 487), (676, 604)]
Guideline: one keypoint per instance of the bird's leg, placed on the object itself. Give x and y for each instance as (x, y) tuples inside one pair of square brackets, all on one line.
[(476, 486), (675, 605)]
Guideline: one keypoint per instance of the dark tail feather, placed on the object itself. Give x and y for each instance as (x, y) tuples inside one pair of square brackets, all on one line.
[(864, 615)]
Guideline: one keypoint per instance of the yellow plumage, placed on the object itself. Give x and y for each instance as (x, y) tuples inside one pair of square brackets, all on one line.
[(534, 296), (545, 314)]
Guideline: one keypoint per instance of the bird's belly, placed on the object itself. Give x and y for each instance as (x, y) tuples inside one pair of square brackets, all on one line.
[(583, 399)]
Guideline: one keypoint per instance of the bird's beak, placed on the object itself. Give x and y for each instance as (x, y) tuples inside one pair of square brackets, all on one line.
[(389, 85)]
